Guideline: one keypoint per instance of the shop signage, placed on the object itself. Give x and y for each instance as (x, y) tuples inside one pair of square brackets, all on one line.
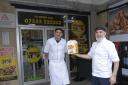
[(8, 68), (7, 20), (28, 18), (79, 30)]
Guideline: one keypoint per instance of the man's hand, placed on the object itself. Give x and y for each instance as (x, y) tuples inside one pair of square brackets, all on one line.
[(114, 73), (75, 54), (112, 80)]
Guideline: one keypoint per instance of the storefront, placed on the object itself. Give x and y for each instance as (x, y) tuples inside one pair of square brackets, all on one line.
[(25, 37)]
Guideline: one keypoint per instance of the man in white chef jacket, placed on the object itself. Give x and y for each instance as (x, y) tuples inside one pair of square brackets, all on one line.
[(103, 54), (55, 50)]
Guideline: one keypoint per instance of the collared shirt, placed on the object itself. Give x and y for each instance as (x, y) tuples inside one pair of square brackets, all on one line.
[(103, 54), (56, 51)]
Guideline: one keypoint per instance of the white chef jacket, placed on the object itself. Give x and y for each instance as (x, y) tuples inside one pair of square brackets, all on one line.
[(103, 54), (57, 67)]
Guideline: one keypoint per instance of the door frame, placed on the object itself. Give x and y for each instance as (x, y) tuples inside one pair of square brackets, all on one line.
[(21, 58)]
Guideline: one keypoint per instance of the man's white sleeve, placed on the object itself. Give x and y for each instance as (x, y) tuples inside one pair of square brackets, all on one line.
[(113, 53)]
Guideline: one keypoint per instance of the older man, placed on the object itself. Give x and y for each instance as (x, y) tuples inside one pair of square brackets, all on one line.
[(103, 54)]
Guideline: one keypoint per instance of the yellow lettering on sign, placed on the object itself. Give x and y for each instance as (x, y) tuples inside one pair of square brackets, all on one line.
[(6, 61), (39, 20)]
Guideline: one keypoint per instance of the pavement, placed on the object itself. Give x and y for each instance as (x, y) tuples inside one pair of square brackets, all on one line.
[(84, 82)]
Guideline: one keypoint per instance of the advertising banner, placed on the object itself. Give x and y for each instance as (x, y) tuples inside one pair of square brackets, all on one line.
[(118, 20), (8, 68), (7, 20)]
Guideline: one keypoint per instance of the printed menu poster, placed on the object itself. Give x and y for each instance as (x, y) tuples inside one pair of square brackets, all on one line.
[(8, 68)]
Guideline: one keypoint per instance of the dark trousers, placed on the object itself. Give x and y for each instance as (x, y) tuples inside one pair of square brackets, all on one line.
[(100, 81)]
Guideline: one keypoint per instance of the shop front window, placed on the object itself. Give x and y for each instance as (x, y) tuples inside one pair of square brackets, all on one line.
[(33, 64)]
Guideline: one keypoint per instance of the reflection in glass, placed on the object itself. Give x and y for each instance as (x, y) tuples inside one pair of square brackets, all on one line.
[(32, 42), (50, 33)]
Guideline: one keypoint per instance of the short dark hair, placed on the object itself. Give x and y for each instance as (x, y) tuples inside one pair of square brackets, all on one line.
[(101, 28), (59, 29)]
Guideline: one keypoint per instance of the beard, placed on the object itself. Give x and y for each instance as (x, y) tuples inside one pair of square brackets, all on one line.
[(99, 39)]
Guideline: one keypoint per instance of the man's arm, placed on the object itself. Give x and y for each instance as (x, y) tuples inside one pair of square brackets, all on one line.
[(114, 73), (115, 69), (85, 56)]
